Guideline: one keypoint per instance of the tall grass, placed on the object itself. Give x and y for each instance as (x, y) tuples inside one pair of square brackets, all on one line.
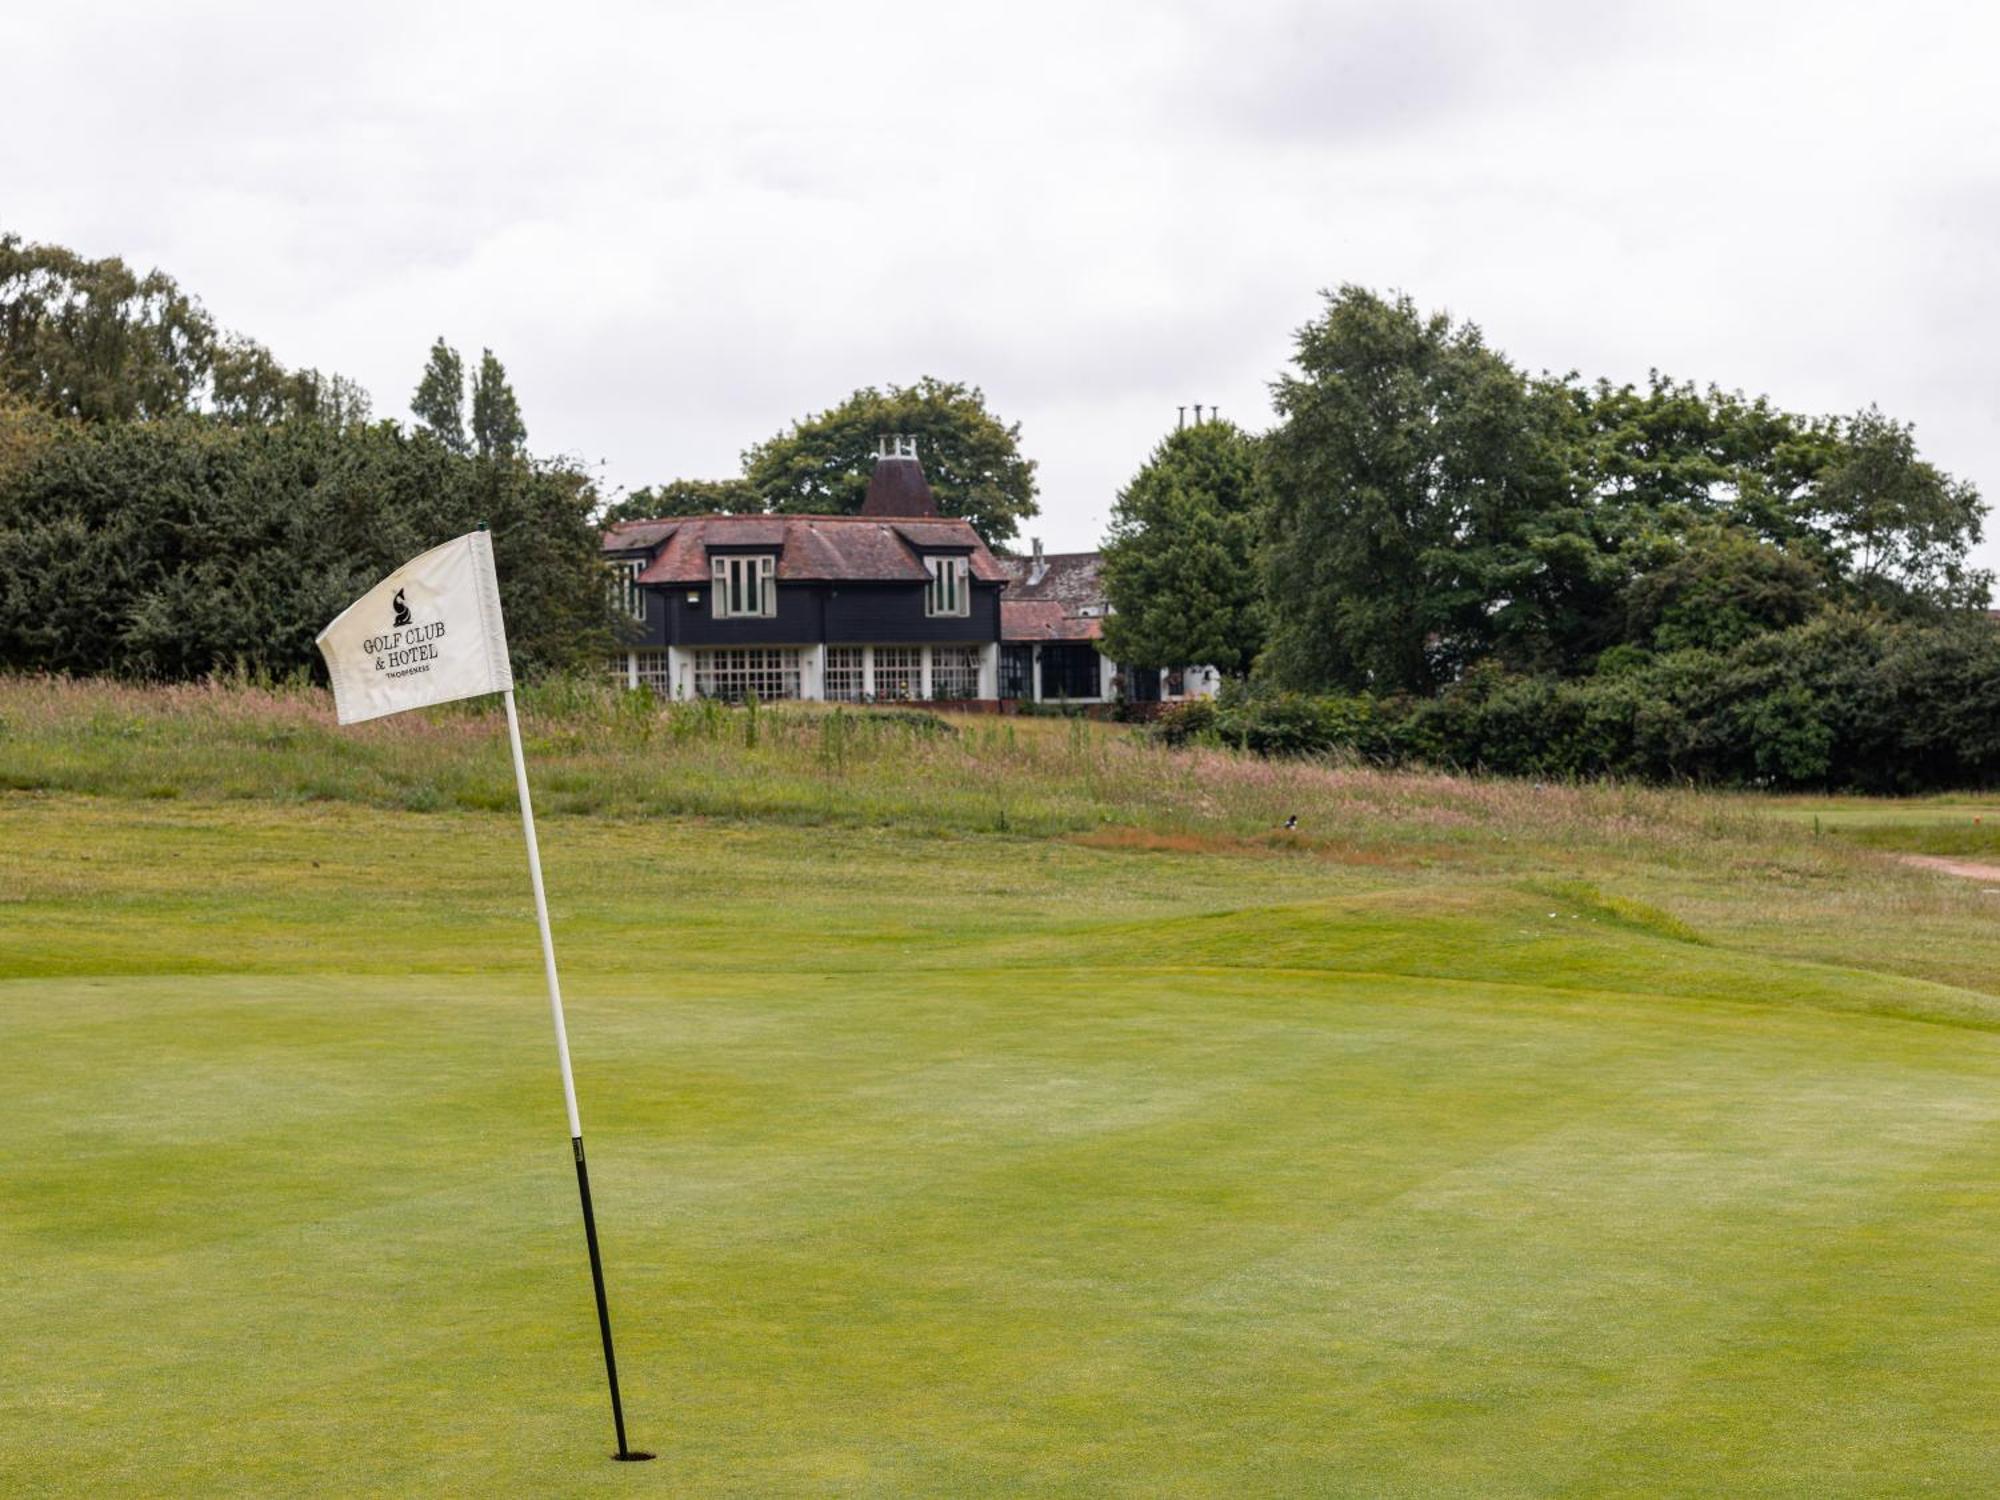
[(596, 750)]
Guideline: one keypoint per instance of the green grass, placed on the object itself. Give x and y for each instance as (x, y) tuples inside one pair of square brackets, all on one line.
[(1483, 1140), (1964, 826)]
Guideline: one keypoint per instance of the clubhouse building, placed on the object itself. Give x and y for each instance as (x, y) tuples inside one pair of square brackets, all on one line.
[(897, 603)]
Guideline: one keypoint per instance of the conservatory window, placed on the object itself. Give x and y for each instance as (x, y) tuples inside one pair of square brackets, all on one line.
[(654, 673), (846, 674), (954, 671), (735, 673), (898, 673)]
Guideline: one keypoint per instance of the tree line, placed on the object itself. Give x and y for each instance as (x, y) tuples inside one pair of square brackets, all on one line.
[(1431, 554), (175, 502), (1428, 532)]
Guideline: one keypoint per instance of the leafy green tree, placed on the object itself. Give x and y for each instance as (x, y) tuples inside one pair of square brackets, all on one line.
[(1901, 527), (497, 428), (334, 399), (248, 385), (95, 340), (688, 497), (1685, 455), (439, 403), (176, 548), (1408, 464), (1180, 568), (92, 339), (971, 458), (1715, 586)]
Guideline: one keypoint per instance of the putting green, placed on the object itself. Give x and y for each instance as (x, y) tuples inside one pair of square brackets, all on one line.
[(968, 1165)]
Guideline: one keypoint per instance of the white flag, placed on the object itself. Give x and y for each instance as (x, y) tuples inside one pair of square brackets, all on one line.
[(428, 633)]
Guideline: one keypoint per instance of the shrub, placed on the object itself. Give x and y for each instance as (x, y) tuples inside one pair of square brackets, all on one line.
[(1844, 701)]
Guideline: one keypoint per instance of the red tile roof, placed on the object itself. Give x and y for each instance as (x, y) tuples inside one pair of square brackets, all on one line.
[(1043, 620), (623, 536), (854, 549), (1050, 603), (1072, 579), (897, 487)]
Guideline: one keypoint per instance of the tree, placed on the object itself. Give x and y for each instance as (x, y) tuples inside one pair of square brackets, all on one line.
[(687, 497), (439, 404), (1180, 568), (1407, 472), (1901, 527), (971, 458), (1715, 586), (93, 339), (497, 428), (177, 548), (334, 399), (249, 386)]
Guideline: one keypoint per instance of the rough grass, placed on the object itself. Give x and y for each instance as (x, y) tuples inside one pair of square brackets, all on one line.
[(1479, 1139), (597, 751)]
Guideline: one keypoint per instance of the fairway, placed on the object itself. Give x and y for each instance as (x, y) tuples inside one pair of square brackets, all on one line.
[(944, 1162)]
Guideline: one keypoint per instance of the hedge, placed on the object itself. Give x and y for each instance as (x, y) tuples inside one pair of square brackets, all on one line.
[(1844, 702)]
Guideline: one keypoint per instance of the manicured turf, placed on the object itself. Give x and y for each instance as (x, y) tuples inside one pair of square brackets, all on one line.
[(939, 1164)]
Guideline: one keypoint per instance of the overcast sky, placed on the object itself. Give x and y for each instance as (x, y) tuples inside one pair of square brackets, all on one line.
[(682, 225)]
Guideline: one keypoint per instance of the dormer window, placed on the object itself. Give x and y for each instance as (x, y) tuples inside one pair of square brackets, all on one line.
[(949, 591), (626, 595), (744, 586)]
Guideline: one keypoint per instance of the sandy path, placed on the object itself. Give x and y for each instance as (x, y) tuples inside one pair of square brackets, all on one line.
[(1971, 869)]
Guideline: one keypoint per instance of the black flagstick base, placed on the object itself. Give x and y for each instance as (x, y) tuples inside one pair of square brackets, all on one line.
[(624, 1454)]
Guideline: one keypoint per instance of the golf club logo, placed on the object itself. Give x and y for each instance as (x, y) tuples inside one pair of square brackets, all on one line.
[(406, 648)]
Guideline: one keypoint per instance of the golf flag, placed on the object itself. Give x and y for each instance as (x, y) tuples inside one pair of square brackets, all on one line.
[(428, 633)]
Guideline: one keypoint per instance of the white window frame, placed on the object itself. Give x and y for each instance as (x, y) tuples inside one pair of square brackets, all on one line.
[(626, 595), (744, 586), (897, 674), (949, 593), (654, 669), (733, 673), (846, 679), (954, 672)]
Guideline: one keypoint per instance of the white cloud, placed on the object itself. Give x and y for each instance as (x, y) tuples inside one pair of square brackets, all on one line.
[(683, 226)]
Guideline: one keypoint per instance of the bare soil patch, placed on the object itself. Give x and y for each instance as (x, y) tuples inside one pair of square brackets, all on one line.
[(1970, 869)]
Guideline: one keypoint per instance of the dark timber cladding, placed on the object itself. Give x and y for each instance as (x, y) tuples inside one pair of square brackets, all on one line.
[(839, 578)]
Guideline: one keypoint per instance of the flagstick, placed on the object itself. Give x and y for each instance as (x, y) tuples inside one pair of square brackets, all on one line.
[(569, 1083)]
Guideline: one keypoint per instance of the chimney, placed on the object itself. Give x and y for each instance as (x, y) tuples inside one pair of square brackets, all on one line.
[(897, 487), (1038, 569)]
